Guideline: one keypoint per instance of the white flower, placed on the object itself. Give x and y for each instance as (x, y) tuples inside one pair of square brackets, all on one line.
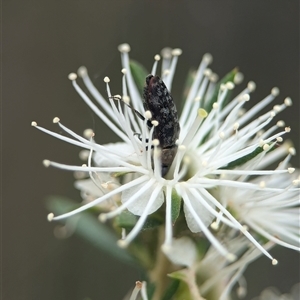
[(272, 215), (273, 294), (220, 276), (214, 276), (211, 141)]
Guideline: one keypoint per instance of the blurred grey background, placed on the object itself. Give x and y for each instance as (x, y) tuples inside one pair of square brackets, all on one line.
[(42, 42)]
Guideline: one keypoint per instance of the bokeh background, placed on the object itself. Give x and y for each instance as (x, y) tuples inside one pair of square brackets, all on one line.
[(42, 42)]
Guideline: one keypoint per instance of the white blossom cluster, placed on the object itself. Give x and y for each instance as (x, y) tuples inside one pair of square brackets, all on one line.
[(216, 186)]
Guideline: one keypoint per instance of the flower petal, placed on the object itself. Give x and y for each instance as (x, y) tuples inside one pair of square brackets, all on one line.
[(121, 149), (138, 206), (205, 216), (182, 251)]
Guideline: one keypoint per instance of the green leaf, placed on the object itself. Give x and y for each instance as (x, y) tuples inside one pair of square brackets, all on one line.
[(89, 228), (176, 206), (128, 220), (246, 158), (243, 159), (179, 275), (171, 290), (183, 290), (139, 73), (188, 288), (150, 289), (228, 77)]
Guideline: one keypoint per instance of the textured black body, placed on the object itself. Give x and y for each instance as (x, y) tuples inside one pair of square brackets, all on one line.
[(160, 103)]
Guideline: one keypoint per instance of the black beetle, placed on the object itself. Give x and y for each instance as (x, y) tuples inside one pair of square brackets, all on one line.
[(159, 102)]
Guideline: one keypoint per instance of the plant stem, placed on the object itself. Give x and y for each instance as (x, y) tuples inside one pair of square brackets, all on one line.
[(162, 267)]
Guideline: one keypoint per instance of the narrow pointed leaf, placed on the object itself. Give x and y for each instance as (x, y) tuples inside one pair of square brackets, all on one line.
[(171, 290), (128, 220), (139, 73), (88, 227), (228, 77), (176, 206)]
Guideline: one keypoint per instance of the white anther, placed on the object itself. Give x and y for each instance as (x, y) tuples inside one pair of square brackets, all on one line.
[(291, 170), (251, 86), (275, 91), (46, 163), (166, 72), (215, 105), (241, 291), (207, 72), (260, 133), (207, 57), (266, 147), (245, 228), (288, 101), (117, 97), (214, 77), (274, 262), (102, 218), (236, 126), (296, 182), (50, 217), (122, 243), (72, 76), (272, 114), (230, 85), (262, 184), (187, 160), (82, 71), (176, 52), (261, 143), (214, 225), (222, 87), (124, 71), (292, 151), (280, 123), (246, 97), (279, 139), (276, 108), (84, 154), (105, 185), (155, 142), (56, 120), (33, 123), (148, 114), (202, 113), (88, 133), (124, 48), (166, 52), (106, 79), (287, 129), (126, 99), (157, 57), (154, 123), (238, 78), (231, 257)]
